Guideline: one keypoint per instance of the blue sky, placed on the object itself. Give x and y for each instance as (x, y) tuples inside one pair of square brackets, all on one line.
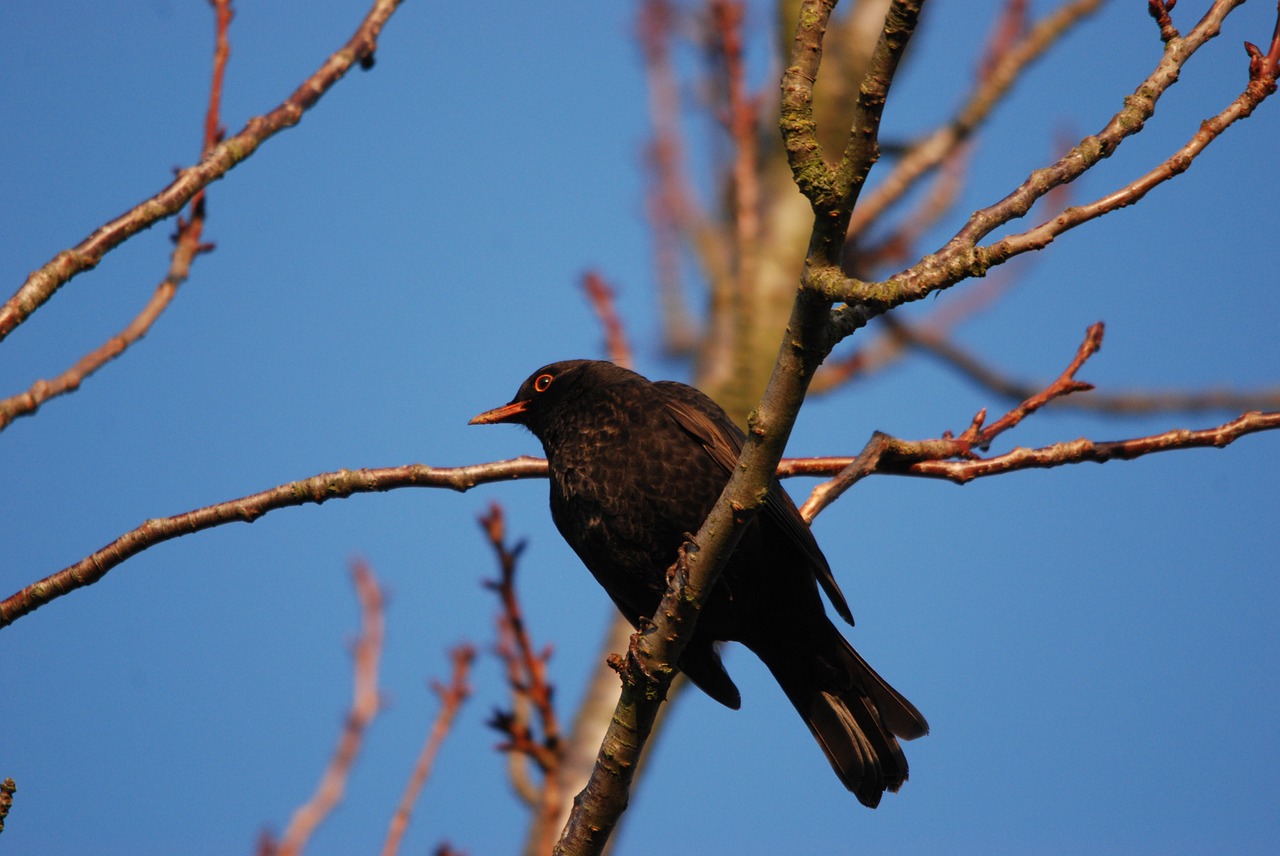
[(1094, 647)]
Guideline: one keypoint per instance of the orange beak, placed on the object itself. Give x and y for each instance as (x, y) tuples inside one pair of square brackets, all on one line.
[(506, 413)]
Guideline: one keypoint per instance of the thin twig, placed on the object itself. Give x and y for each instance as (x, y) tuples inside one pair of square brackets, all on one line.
[(973, 437), (187, 245), (1160, 10), (726, 22), (7, 789), (247, 509), (451, 698), (601, 296), (923, 337), (530, 688), (670, 209), (1002, 66), (364, 707), (45, 282), (933, 458), (962, 258)]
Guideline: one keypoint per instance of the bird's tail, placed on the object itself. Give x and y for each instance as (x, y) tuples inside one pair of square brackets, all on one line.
[(853, 713)]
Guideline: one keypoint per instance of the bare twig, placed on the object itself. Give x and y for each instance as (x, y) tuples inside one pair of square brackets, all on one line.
[(7, 789), (1005, 61), (530, 688), (1065, 384), (44, 283), (962, 257), (923, 337), (364, 706), (451, 697), (974, 437), (187, 246), (317, 489), (932, 458), (1160, 10), (615, 334), (672, 213), (726, 29)]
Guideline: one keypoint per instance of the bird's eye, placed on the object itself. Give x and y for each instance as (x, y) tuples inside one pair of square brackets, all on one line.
[(542, 381)]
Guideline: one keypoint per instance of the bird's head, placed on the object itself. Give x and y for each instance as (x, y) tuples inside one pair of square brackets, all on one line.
[(549, 390)]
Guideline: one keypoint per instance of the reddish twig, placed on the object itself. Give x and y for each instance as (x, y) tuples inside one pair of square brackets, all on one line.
[(1262, 67), (962, 257), (530, 688), (7, 789), (1160, 9), (929, 334), (187, 245), (1262, 83), (932, 458), (451, 698), (364, 706), (1002, 65), (615, 335), (899, 244), (668, 204), (317, 489), (726, 29), (973, 437), (925, 338), (45, 282), (1064, 385)]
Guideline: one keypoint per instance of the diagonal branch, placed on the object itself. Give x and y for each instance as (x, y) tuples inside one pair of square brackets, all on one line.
[(364, 707), (247, 509), (950, 459), (994, 82), (647, 673), (975, 436), (45, 282), (962, 258), (451, 696), (932, 342), (187, 245)]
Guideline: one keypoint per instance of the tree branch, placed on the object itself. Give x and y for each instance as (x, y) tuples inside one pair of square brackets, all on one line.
[(933, 458), (364, 707), (1135, 402), (1002, 68), (451, 698), (530, 689), (43, 283), (962, 258), (247, 509), (647, 672), (601, 295), (187, 246)]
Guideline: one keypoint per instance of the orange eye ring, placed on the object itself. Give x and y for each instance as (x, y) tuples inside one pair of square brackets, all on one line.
[(542, 382)]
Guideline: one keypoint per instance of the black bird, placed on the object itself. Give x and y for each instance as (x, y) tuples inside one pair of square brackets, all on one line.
[(634, 466)]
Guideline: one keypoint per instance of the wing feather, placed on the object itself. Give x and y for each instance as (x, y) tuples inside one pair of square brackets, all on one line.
[(702, 419)]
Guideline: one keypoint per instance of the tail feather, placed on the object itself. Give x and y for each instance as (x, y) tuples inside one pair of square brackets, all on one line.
[(853, 713), (900, 716)]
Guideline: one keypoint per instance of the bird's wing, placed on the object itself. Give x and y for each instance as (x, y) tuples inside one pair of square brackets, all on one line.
[(703, 419)]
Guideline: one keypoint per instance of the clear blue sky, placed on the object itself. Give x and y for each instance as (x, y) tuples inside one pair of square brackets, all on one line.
[(1095, 647)]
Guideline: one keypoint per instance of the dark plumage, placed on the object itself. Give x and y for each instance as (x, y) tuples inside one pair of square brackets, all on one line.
[(634, 466)]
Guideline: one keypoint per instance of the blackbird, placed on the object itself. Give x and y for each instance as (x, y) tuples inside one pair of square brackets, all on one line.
[(634, 466)]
